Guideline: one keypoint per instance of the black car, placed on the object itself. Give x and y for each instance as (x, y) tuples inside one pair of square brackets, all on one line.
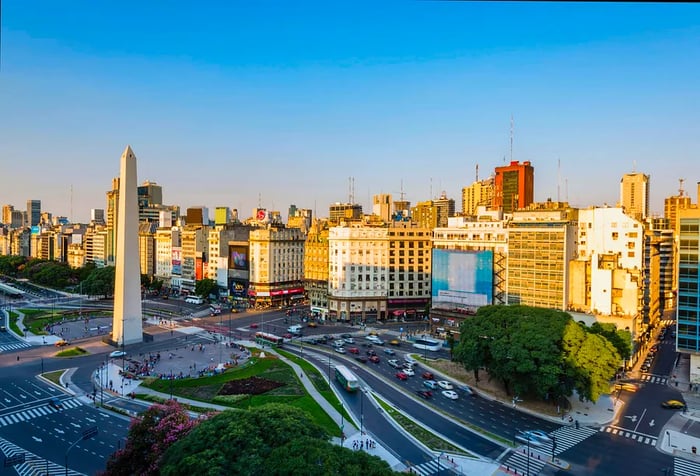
[(361, 359), (426, 394)]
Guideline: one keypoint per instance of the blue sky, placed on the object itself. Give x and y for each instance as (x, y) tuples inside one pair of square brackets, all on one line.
[(235, 103)]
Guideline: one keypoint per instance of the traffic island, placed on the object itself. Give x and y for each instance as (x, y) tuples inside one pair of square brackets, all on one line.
[(558, 463)]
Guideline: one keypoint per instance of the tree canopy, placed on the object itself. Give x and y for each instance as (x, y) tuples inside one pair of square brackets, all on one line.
[(536, 352), (274, 439), (205, 287)]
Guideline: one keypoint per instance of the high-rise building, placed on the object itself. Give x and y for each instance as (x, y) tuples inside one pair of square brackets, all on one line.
[(634, 195), (344, 212), (150, 193), (7, 214), (382, 205), (514, 186), (222, 216), (445, 208), (33, 212), (197, 216), (316, 268), (97, 216), (688, 309), (112, 214), (672, 205), (477, 194)]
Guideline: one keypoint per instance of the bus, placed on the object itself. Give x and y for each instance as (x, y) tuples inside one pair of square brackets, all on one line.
[(346, 378), (426, 343), (269, 340)]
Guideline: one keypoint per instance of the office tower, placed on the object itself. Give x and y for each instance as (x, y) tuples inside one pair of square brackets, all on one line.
[(316, 268), (382, 205), (514, 186), (197, 216), (672, 205), (33, 212), (222, 216), (477, 194), (688, 309), (402, 210), (445, 208), (634, 195), (344, 212), (150, 193), (127, 327), (97, 216), (112, 214), (7, 214)]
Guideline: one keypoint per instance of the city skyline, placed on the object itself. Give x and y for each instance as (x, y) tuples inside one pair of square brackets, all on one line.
[(281, 104)]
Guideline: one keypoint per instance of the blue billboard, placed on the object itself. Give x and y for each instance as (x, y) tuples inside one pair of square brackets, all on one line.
[(462, 280)]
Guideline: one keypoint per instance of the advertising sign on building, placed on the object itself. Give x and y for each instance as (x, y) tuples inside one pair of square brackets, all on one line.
[(177, 261), (462, 280), (238, 257)]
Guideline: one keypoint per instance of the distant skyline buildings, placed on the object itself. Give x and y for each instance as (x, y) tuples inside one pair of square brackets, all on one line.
[(634, 195)]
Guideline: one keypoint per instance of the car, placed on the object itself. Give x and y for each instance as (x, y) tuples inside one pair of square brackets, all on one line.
[(445, 385), (288, 336), (410, 361), (354, 350), (401, 376), (55, 403), (373, 333), (645, 368), (409, 371), (528, 439), (431, 384), (373, 338), (253, 326), (338, 343), (374, 359), (539, 434), (340, 350), (428, 375), (345, 336), (673, 404), (165, 296), (312, 324), (390, 351), (349, 340), (424, 394), (394, 363), (371, 352), (395, 342), (467, 390), (3, 329), (116, 353), (451, 394), (361, 359), (61, 343)]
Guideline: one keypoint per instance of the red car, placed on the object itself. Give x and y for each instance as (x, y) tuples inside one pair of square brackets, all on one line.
[(401, 376), (374, 359), (288, 336), (424, 394), (354, 350), (428, 376), (253, 326)]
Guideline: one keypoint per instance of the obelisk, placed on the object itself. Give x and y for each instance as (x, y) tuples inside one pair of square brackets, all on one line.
[(127, 327)]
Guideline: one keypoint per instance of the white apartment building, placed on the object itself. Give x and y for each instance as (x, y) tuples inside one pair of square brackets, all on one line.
[(378, 272), (276, 266), (165, 240)]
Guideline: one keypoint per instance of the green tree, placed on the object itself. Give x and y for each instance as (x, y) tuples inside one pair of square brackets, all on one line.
[(205, 287), (10, 265), (274, 439), (619, 338), (100, 282), (149, 438)]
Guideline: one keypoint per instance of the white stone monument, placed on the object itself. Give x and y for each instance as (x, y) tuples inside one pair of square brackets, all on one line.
[(127, 327)]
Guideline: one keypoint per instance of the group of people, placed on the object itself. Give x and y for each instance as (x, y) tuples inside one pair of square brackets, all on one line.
[(364, 444)]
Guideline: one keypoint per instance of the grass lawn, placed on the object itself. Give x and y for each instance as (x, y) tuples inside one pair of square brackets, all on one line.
[(292, 392), (13, 323), (55, 376), (72, 352)]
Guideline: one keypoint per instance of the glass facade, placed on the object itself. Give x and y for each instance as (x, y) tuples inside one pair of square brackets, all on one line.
[(688, 296)]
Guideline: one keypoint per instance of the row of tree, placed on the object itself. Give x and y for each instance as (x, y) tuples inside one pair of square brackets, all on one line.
[(541, 352), (274, 439)]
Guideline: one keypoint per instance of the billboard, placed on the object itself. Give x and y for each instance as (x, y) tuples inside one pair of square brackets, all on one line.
[(176, 261), (238, 257), (462, 280)]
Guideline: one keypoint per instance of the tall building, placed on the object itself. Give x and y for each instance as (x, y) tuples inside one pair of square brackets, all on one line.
[(688, 309), (7, 214), (541, 242), (112, 214), (672, 205), (445, 208), (150, 193), (222, 216), (634, 195), (97, 216), (316, 268), (477, 194), (382, 206), (344, 212), (197, 216), (514, 186), (33, 212)]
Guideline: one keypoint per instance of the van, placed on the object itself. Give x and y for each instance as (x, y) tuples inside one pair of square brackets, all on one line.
[(194, 300), (295, 329)]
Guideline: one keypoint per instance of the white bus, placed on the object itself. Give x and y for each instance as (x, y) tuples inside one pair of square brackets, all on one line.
[(426, 343), (346, 378)]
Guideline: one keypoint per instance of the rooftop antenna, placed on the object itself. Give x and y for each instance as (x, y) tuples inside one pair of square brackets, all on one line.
[(402, 194), (511, 137), (259, 200), (566, 190), (558, 178), (477, 173), (634, 166), (681, 192), (431, 188), (71, 203)]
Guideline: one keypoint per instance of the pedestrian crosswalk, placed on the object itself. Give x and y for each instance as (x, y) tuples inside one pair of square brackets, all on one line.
[(684, 467), (439, 465), (648, 378), (562, 439), (638, 437), (33, 465), (14, 345), (36, 412), (518, 462)]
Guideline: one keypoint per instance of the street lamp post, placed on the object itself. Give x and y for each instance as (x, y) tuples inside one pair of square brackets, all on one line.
[(362, 413)]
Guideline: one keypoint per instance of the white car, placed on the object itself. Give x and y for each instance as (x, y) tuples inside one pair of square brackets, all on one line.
[(408, 371), (528, 439), (349, 340), (117, 353), (452, 395), (539, 434), (394, 363), (340, 350), (445, 385)]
